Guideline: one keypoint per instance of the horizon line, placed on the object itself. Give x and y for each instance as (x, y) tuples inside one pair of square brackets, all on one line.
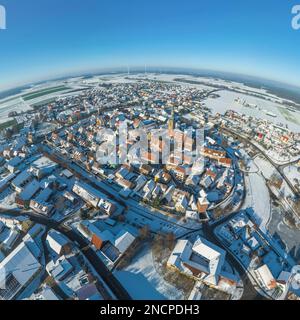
[(150, 69)]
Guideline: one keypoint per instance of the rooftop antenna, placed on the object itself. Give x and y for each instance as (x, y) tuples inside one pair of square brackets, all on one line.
[(145, 69)]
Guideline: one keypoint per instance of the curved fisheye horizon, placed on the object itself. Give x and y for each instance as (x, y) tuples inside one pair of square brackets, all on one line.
[(290, 90)]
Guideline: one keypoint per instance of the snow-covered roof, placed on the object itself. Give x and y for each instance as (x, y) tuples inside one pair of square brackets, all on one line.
[(48, 295), (20, 267), (123, 240), (60, 268), (14, 161), (89, 292), (7, 179), (266, 276), (203, 256), (30, 190), (207, 249), (21, 178), (44, 195), (56, 241), (44, 163)]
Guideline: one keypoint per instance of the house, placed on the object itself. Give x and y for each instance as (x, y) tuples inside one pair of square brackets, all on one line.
[(206, 181), (22, 223), (145, 169), (112, 246), (42, 167), (88, 292), (15, 279), (59, 269), (181, 204), (202, 204), (123, 241), (149, 186), (40, 203), (87, 193), (265, 277), (200, 260), (21, 181), (11, 238), (125, 183), (27, 194), (58, 243), (192, 180), (46, 294), (213, 154), (68, 174), (179, 172), (94, 197), (106, 206), (100, 237), (4, 183), (167, 197), (193, 215), (95, 235), (140, 183), (225, 162), (14, 163)]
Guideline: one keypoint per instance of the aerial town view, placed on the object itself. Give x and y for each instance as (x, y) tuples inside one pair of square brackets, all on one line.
[(145, 182)]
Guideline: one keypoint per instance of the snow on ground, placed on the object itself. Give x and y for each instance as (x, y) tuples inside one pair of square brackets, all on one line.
[(265, 167), (226, 102), (267, 170), (143, 282), (289, 236), (7, 199), (293, 173), (258, 198), (16, 105)]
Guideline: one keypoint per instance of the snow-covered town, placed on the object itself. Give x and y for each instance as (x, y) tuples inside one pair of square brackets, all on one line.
[(150, 224)]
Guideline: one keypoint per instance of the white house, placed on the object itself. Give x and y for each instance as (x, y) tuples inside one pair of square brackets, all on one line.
[(202, 260)]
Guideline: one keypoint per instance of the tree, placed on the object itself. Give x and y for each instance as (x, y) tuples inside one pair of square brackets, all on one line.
[(121, 218), (83, 214), (15, 129), (144, 232), (8, 134), (170, 240)]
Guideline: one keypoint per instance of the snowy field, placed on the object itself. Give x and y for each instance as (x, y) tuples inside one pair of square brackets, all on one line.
[(258, 198), (226, 101), (16, 105), (143, 282)]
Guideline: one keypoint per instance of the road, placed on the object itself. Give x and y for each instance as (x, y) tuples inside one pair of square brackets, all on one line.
[(275, 165), (130, 204), (109, 279), (249, 292)]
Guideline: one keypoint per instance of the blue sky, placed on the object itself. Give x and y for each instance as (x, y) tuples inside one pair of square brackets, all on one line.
[(51, 38)]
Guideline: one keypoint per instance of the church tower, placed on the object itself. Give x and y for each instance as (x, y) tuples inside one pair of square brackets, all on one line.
[(171, 124)]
